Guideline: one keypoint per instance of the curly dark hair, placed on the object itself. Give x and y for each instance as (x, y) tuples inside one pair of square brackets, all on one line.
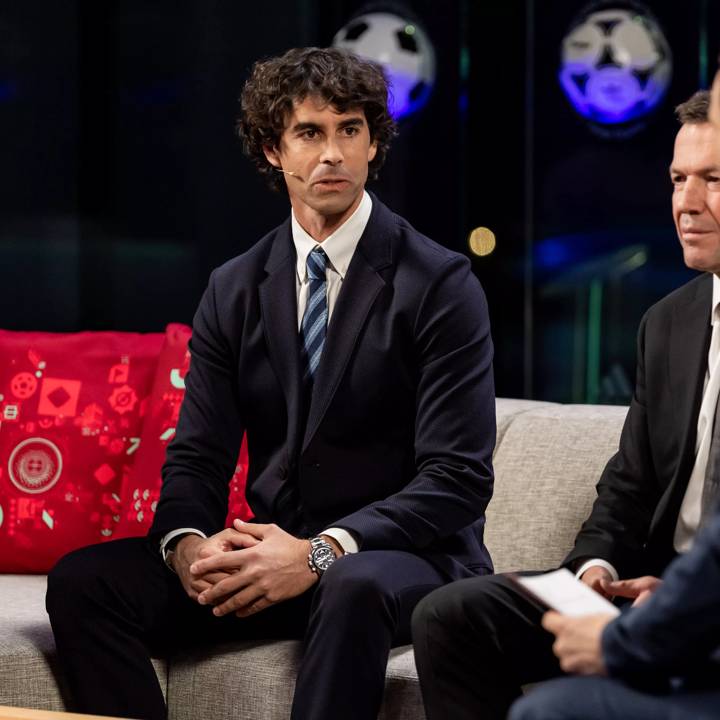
[(340, 78)]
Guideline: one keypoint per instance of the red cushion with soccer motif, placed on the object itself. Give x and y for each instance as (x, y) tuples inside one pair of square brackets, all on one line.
[(141, 488), (71, 414)]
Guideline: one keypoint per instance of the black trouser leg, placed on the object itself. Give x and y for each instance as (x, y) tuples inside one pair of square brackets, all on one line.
[(362, 607), (104, 603), (476, 641), (114, 604)]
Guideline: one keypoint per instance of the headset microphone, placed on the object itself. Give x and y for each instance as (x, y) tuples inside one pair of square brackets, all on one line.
[(292, 173)]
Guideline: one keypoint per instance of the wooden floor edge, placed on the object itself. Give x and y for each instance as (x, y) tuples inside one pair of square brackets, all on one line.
[(14, 713)]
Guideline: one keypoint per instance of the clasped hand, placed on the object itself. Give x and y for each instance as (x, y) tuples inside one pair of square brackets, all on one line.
[(246, 568)]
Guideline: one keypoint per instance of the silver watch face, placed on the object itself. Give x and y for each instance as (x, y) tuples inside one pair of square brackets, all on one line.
[(323, 557)]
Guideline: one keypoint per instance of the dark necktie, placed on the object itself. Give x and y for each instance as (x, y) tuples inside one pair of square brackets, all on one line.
[(314, 322), (710, 493)]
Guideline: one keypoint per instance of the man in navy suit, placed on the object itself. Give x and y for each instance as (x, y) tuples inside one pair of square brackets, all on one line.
[(356, 355)]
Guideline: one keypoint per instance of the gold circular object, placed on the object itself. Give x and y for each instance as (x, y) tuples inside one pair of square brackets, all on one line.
[(482, 241)]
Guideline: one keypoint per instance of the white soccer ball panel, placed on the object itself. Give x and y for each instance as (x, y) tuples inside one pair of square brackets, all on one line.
[(634, 47), (379, 42), (404, 50), (583, 47)]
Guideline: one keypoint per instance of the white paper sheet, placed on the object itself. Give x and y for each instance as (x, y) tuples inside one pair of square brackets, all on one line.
[(561, 591)]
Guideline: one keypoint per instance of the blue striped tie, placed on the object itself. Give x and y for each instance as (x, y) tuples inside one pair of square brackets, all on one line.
[(314, 322)]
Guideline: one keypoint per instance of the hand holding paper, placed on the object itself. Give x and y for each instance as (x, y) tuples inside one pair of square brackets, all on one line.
[(578, 641), (577, 618), (560, 590)]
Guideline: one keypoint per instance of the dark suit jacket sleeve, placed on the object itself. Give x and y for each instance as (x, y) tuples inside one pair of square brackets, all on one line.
[(454, 421), (679, 627), (627, 492), (203, 454)]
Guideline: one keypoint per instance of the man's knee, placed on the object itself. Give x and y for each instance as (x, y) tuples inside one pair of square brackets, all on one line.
[(68, 581), (352, 581), (451, 608), (83, 575), (376, 584)]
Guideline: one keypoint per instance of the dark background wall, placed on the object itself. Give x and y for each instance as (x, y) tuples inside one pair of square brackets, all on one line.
[(122, 183)]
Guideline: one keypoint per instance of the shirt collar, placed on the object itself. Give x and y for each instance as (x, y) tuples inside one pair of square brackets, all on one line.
[(715, 311), (339, 247)]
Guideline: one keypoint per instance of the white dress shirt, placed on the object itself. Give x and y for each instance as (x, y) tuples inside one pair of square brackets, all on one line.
[(691, 507), (339, 248)]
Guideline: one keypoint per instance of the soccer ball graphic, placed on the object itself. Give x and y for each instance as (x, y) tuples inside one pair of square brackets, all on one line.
[(404, 51), (616, 65)]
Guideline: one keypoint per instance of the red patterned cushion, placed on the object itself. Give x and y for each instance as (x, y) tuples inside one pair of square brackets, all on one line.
[(141, 488), (71, 413)]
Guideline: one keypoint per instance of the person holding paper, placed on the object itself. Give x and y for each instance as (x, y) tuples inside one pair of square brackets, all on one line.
[(660, 659), (478, 640)]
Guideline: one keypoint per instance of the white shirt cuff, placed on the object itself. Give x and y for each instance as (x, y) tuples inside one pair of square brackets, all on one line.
[(343, 538), (173, 534), (597, 562)]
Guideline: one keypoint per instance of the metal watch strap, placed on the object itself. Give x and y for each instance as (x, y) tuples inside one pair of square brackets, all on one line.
[(317, 543)]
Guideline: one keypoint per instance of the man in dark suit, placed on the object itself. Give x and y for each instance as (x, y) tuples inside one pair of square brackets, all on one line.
[(356, 355), (662, 657), (477, 641)]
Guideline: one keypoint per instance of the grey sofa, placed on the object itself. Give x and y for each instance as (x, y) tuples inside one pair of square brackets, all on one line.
[(547, 460)]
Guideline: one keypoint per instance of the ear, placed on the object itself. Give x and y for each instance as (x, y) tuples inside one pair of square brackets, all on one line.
[(272, 156), (372, 151)]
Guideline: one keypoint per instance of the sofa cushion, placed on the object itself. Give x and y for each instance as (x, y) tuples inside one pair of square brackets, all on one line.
[(257, 680), (546, 468), (71, 408), (547, 463), (506, 409)]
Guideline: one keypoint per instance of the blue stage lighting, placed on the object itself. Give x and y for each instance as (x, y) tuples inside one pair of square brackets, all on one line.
[(616, 63)]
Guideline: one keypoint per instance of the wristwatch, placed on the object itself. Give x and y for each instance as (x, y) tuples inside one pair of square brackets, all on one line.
[(168, 550), (321, 555)]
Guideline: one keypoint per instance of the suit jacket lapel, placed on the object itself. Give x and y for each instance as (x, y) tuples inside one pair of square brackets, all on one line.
[(689, 343), (278, 307), (360, 288)]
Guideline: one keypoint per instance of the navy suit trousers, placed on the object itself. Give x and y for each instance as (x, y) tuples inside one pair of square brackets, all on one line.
[(114, 606)]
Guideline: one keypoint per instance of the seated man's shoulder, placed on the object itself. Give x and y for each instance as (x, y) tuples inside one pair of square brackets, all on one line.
[(424, 249), (699, 288)]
